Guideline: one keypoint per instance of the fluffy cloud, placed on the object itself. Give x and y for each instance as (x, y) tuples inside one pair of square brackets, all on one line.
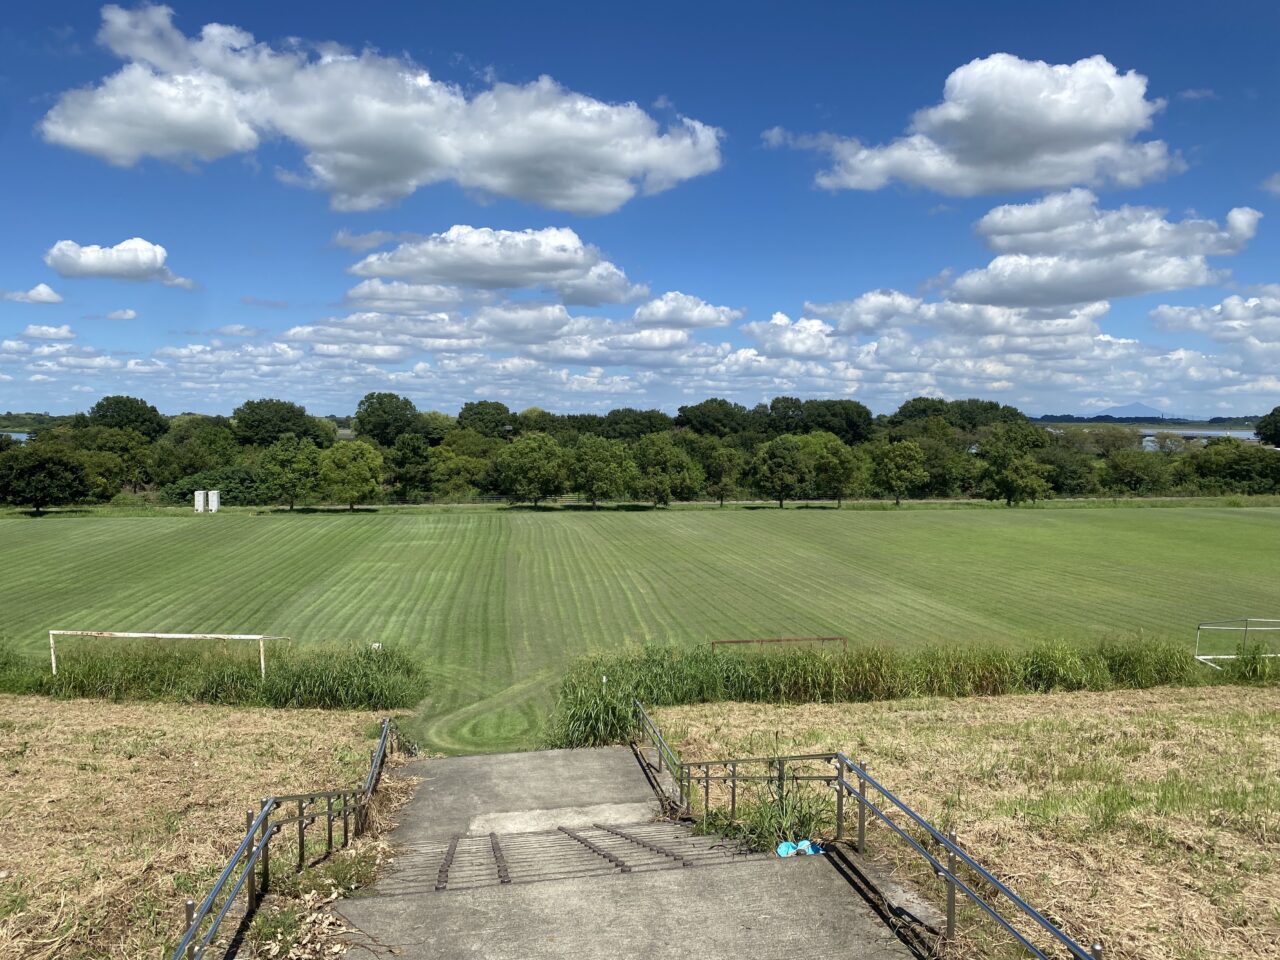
[(133, 259), (805, 338), (38, 331), (125, 314), (1248, 325), (396, 296), (40, 293), (1063, 249), (373, 129), (1010, 124), (683, 311), (554, 258)]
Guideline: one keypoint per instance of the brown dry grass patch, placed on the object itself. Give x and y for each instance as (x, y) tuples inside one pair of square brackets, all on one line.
[(115, 813), (1149, 820)]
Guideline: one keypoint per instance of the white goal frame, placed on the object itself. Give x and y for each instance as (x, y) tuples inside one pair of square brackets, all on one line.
[(260, 638), (1246, 625)]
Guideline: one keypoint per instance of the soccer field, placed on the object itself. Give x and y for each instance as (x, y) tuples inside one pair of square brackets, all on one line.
[(498, 601)]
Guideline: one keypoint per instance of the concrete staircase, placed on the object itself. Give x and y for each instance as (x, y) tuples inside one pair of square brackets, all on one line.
[(563, 854)]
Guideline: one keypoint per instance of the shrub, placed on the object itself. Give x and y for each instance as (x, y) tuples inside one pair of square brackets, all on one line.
[(332, 676)]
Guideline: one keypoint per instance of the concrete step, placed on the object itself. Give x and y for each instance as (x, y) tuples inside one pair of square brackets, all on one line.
[(466, 862)]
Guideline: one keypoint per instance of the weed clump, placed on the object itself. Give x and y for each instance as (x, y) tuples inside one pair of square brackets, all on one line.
[(326, 676), (595, 704)]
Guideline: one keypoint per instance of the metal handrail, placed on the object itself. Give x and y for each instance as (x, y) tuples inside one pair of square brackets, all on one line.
[(844, 789), (254, 849)]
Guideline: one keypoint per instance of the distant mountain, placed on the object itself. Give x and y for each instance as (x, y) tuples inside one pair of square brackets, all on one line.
[(1133, 410)]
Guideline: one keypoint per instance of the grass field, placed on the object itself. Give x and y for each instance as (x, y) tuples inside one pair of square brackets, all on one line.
[(499, 601), (1146, 819), (115, 813)]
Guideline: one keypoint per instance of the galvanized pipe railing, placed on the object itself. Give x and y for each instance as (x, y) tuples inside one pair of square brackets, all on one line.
[(252, 857), (686, 773)]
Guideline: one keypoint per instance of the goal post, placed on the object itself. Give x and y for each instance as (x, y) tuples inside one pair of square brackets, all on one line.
[(259, 638), (1243, 626)]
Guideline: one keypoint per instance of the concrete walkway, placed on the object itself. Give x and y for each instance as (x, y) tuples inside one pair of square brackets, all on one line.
[(557, 856)]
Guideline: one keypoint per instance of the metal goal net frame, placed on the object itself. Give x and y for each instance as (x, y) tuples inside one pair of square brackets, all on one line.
[(1243, 625), (259, 638)]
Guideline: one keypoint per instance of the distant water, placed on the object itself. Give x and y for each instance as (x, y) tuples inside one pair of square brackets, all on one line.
[(1182, 432), (16, 436)]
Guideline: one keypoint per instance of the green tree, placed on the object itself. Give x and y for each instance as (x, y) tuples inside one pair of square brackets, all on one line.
[(1135, 471), (104, 471), (1268, 428), (42, 475), (530, 468), (434, 426), (351, 472), (714, 417), (1012, 476), (409, 467), (129, 413), (780, 469), (289, 470), (663, 471), (898, 469), (488, 418), (847, 419), (382, 417), (832, 467), (454, 475), (263, 422), (724, 467), (194, 444), (600, 469)]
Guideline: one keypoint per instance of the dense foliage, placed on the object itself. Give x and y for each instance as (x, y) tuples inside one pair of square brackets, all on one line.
[(273, 452), (328, 676), (595, 703)]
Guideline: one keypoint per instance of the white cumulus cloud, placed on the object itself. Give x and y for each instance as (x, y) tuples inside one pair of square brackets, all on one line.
[(554, 258), (38, 331), (40, 293), (683, 311), (132, 259), (125, 314), (1005, 123), (373, 129), (1063, 249)]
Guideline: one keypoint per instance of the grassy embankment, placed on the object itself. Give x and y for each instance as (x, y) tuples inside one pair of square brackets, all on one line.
[(496, 604), (116, 813), (1149, 820)]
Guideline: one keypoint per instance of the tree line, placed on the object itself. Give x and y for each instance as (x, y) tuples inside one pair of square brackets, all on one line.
[(272, 451)]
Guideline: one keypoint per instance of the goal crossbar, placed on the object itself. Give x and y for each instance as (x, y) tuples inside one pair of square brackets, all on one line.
[(260, 638), (1245, 625)]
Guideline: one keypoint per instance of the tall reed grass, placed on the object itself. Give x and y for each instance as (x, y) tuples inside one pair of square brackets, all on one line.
[(328, 676), (594, 705)]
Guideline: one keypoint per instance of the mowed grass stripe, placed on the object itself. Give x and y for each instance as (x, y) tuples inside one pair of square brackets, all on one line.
[(498, 602)]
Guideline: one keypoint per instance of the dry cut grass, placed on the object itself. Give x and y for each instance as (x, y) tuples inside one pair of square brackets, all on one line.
[(115, 813), (1148, 820)]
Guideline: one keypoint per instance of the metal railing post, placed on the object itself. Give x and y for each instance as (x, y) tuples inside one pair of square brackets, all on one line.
[(733, 791), (266, 848), (862, 811), (1097, 951), (328, 824), (706, 790), (346, 818), (250, 883), (839, 799), (191, 916), (951, 888), (302, 834), (782, 781)]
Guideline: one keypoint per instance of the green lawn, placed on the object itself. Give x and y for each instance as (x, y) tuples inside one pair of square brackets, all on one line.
[(498, 601)]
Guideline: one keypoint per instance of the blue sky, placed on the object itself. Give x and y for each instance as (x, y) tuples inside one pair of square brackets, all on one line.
[(571, 206)]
